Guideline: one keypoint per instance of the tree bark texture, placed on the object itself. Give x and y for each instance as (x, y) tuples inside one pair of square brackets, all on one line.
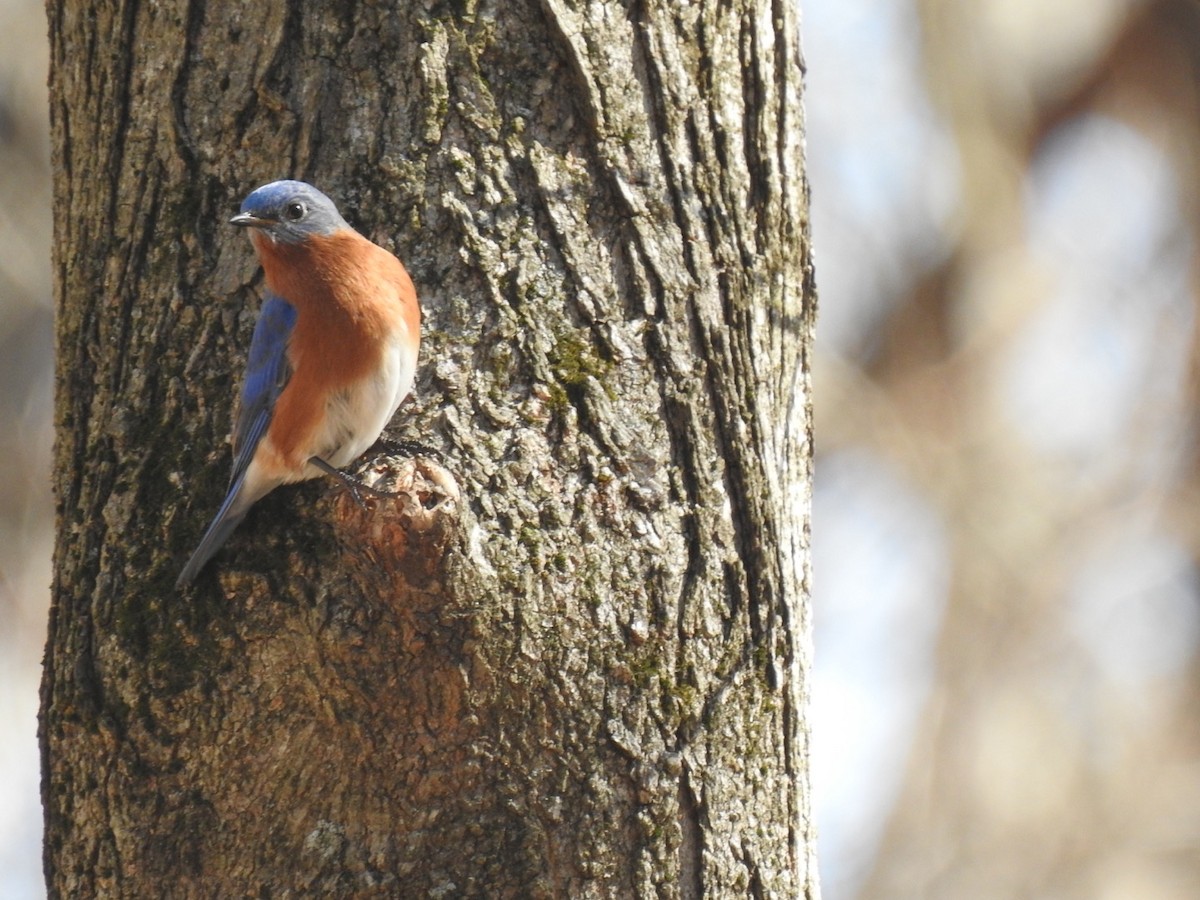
[(570, 660)]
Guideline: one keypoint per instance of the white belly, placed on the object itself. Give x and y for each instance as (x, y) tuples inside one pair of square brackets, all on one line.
[(356, 416)]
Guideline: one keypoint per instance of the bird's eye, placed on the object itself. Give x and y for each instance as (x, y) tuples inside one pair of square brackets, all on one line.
[(294, 211)]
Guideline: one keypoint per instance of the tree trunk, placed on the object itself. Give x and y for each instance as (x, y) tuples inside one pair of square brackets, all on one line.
[(570, 661)]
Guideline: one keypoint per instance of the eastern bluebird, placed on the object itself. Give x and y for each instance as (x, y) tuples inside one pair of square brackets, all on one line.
[(334, 351)]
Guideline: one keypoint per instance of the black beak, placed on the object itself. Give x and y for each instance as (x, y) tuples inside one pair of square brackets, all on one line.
[(249, 220)]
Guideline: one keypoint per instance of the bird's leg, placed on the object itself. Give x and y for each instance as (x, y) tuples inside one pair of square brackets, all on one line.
[(356, 486)]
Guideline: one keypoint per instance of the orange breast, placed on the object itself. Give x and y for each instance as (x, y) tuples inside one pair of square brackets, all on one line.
[(352, 298)]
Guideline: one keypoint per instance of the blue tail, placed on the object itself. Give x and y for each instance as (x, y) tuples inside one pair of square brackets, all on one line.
[(228, 517)]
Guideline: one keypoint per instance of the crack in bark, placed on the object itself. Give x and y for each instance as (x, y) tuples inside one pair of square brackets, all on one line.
[(691, 846)]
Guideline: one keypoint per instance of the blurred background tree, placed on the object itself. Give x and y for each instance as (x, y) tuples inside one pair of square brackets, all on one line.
[(1005, 196), (26, 366)]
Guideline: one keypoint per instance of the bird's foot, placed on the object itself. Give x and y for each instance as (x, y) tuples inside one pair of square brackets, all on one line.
[(356, 486)]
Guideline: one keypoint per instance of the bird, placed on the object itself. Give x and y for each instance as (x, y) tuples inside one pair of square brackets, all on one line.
[(334, 351)]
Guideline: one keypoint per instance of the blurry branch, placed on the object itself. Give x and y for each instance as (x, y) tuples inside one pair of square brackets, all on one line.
[(1001, 799)]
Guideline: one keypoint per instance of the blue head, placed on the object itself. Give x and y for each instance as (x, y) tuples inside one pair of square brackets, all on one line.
[(288, 212)]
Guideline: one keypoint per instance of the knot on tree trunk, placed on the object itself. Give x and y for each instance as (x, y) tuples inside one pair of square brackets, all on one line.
[(410, 531)]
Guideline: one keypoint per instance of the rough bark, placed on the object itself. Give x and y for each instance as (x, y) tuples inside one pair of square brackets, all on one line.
[(571, 660)]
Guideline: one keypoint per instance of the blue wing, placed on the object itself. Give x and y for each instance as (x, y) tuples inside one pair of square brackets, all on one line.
[(267, 371)]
